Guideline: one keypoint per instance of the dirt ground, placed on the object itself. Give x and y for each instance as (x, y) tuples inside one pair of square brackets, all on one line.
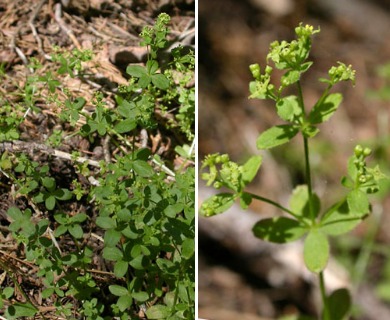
[(110, 29), (241, 277)]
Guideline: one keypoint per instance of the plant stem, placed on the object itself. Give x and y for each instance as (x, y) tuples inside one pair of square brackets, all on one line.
[(326, 315), (323, 296), (275, 204), (307, 160), (308, 177)]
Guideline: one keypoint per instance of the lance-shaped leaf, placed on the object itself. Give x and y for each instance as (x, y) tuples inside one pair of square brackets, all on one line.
[(339, 220), (358, 203), (279, 229), (276, 136), (325, 108), (250, 168), (316, 251)]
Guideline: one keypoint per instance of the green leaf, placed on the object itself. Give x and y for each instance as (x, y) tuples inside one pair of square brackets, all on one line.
[(339, 304), (126, 108), (8, 292), (19, 309), (152, 66), (120, 268), (141, 296), (279, 229), (290, 77), (136, 71), (112, 253), (167, 266), (172, 210), (49, 183), (126, 125), (310, 131), (316, 251), (112, 237), (188, 248), (325, 108), (50, 202), (105, 222), (124, 302), (61, 218), (118, 290), (276, 136), (288, 108), (158, 312), (358, 203), (142, 168), (245, 200), (299, 202), (339, 220), (15, 213), (124, 215), (138, 263), (62, 194), (143, 154), (217, 204), (60, 230), (144, 81), (347, 182), (81, 217), (160, 81), (76, 231), (250, 168)]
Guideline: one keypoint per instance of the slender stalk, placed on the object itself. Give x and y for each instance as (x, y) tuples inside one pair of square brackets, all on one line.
[(275, 204), (326, 315), (307, 160), (308, 177)]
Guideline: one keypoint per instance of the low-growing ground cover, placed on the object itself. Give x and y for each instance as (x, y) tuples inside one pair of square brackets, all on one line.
[(97, 147)]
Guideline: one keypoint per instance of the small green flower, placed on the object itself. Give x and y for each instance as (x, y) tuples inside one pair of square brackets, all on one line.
[(341, 72)]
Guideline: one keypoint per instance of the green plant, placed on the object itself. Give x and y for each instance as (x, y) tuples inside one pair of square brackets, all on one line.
[(305, 217), (135, 210)]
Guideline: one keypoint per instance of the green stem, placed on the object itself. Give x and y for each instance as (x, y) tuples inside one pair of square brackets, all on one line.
[(307, 160), (275, 204), (326, 315), (308, 177)]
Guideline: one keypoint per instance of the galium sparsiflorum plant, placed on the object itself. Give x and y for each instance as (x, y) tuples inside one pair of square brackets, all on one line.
[(304, 217)]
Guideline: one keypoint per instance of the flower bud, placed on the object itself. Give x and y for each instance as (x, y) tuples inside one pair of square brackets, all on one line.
[(366, 152), (255, 70), (217, 185), (358, 150)]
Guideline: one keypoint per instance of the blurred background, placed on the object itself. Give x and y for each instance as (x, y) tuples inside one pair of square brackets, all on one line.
[(241, 277)]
